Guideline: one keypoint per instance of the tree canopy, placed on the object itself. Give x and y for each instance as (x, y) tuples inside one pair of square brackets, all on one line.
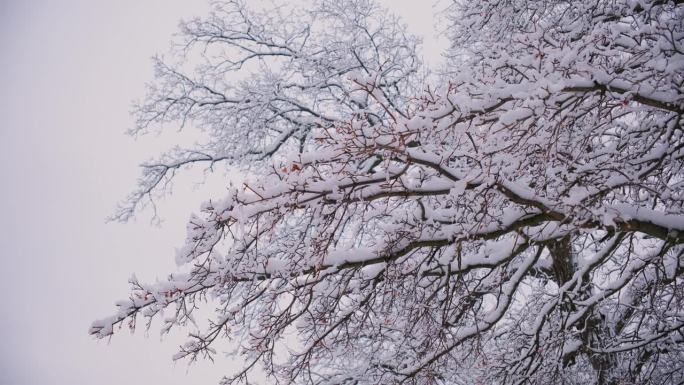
[(516, 217)]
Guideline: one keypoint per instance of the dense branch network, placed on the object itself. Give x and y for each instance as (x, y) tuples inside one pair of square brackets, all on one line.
[(521, 222), (267, 79)]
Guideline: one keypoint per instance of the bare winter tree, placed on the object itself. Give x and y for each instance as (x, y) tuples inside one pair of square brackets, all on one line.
[(518, 221)]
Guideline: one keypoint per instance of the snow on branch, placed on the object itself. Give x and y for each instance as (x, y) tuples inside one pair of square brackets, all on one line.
[(521, 220)]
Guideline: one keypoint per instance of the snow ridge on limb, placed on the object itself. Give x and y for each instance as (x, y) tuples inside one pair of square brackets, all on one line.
[(522, 222)]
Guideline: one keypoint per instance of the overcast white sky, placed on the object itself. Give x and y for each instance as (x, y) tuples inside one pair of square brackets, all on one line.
[(68, 72)]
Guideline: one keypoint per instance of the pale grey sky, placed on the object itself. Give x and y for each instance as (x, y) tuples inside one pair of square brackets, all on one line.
[(68, 72)]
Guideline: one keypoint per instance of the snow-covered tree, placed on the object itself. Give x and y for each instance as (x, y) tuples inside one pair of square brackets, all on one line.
[(518, 219)]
